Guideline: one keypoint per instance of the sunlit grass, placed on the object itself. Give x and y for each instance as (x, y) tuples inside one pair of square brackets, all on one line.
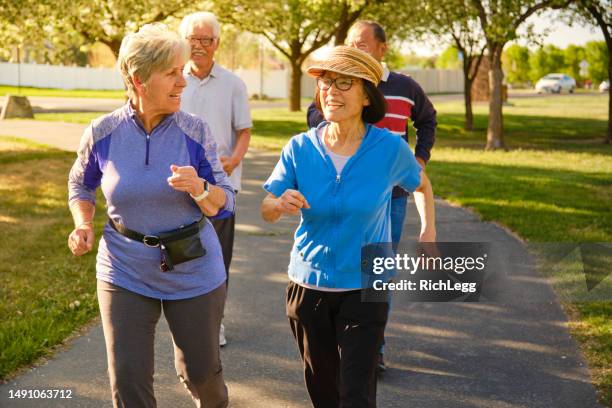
[(69, 117), (46, 293), (66, 93)]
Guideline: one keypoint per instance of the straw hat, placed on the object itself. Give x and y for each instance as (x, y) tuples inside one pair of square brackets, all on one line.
[(349, 61)]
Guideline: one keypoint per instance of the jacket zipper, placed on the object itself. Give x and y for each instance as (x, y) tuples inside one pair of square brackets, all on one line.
[(336, 204), (147, 154)]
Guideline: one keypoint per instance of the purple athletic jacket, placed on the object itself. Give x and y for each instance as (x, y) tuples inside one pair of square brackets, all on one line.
[(132, 168)]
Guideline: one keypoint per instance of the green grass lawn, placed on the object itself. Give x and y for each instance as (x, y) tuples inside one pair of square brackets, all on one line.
[(559, 122), (554, 184), (71, 117), (67, 93), (46, 294)]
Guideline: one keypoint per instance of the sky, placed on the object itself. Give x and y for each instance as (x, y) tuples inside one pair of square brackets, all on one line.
[(563, 35), (560, 34)]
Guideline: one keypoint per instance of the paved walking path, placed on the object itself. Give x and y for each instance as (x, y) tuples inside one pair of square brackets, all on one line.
[(516, 353), (58, 134)]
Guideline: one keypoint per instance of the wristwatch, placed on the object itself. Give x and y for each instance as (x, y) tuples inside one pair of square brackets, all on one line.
[(204, 194)]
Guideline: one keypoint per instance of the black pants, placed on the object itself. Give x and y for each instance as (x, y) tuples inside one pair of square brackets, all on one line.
[(225, 231), (338, 336)]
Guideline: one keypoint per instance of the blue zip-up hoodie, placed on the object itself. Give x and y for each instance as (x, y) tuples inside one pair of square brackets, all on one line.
[(347, 210)]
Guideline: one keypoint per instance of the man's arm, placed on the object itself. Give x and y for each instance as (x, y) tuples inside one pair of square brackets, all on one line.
[(314, 116), (424, 119), (243, 138), (242, 123)]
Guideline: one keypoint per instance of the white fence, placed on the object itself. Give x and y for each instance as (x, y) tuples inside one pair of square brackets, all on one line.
[(438, 80), (56, 76), (275, 83)]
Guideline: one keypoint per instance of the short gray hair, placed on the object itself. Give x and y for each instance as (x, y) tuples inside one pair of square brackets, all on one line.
[(199, 19), (151, 49), (379, 32)]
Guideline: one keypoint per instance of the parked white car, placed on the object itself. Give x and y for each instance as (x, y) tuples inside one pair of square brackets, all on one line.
[(604, 86), (556, 83)]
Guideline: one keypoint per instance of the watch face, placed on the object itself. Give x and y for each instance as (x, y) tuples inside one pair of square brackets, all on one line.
[(206, 185)]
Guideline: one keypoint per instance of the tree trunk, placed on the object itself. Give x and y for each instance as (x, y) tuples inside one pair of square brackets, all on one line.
[(495, 129), (609, 136), (604, 25), (343, 27), (467, 94), (469, 114), (296, 85), (345, 22), (114, 44), (340, 37)]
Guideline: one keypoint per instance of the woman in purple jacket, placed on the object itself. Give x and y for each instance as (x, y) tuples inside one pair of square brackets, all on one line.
[(159, 173)]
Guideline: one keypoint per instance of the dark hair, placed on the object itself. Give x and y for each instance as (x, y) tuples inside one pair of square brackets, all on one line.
[(379, 32), (372, 113), (375, 111)]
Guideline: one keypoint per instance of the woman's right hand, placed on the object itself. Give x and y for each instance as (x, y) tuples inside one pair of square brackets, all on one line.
[(81, 239), (291, 202)]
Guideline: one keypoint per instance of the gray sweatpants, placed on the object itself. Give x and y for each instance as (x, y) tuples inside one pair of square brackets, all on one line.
[(129, 321)]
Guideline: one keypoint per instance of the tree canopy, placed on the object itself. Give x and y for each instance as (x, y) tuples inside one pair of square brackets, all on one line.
[(296, 28)]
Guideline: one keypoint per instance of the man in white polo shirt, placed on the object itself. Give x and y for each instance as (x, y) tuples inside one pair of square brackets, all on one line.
[(220, 98)]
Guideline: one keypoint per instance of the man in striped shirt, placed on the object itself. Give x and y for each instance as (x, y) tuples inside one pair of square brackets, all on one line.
[(405, 100)]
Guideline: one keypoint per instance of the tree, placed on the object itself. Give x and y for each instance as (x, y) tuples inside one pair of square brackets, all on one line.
[(19, 24), (108, 21), (104, 21), (394, 58), (545, 60), (556, 58), (237, 49), (573, 56), (500, 20), (457, 22), (449, 59), (596, 54), (599, 13), (413, 60), (515, 60), (295, 28), (451, 21)]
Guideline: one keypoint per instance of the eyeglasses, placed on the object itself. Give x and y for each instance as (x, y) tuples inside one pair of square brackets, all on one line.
[(360, 45), (342, 83), (204, 41)]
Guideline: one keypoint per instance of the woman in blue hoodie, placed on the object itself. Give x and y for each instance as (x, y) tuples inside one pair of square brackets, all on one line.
[(339, 178)]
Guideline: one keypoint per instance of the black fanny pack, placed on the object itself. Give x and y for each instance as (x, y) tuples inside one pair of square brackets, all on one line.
[(176, 246)]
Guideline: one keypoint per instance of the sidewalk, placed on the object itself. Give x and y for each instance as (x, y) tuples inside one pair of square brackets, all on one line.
[(489, 355), (65, 136)]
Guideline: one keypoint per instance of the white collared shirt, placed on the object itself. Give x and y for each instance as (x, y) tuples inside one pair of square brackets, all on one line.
[(386, 71), (222, 101)]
